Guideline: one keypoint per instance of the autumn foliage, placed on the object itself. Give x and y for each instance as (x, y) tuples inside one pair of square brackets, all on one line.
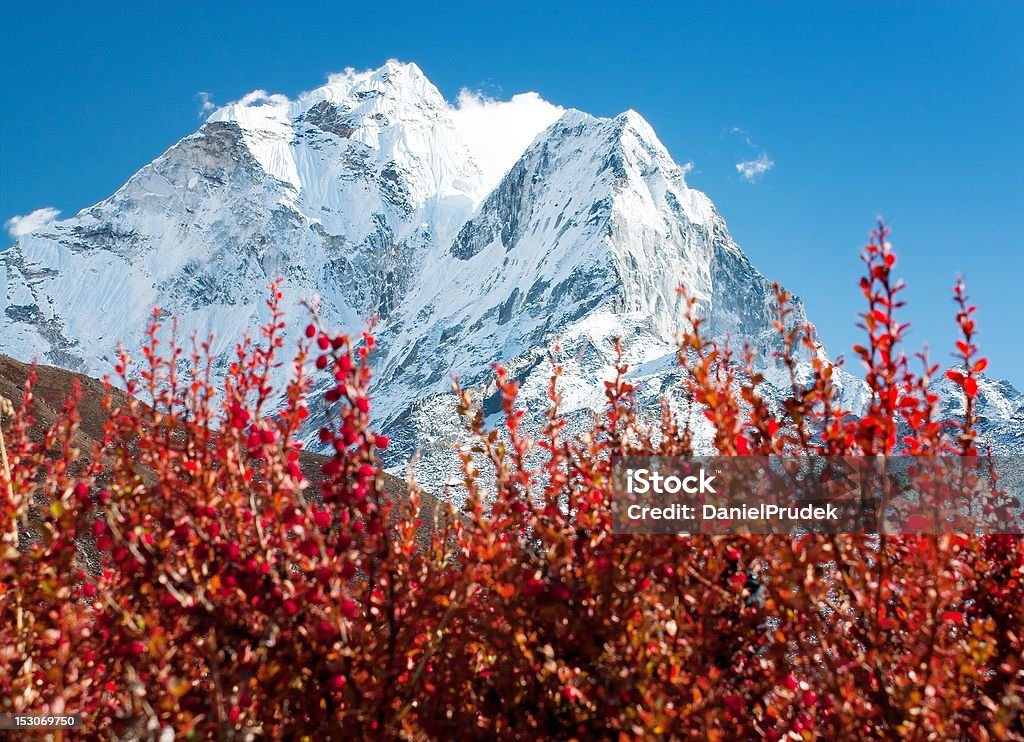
[(185, 575)]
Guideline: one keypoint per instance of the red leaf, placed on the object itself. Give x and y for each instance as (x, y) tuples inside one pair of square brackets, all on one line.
[(952, 616), (955, 376), (970, 386), (980, 366)]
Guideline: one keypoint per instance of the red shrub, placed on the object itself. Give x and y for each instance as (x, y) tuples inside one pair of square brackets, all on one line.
[(186, 575)]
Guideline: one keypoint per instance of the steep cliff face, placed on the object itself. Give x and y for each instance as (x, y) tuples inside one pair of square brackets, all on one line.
[(363, 196)]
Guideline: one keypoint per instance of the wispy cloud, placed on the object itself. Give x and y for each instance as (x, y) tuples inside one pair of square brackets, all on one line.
[(742, 134), (262, 97), (22, 225), (206, 104), (752, 170), (499, 131)]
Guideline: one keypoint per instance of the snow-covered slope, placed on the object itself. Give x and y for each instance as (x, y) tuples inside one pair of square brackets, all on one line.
[(341, 192), (999, 408), (365, 193)]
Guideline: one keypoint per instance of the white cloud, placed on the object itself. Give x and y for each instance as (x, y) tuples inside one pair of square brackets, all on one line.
[(742, 133), (22, 225), (752, 170), (261, 97), (499, 131), (206, 103)]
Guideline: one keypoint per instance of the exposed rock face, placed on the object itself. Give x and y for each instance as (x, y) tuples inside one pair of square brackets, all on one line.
[(363, 194)]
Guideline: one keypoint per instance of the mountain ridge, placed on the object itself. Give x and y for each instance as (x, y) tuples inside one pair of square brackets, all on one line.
[(363, 196)]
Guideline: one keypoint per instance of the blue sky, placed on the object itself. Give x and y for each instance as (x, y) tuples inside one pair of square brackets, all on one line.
[(910, 110)]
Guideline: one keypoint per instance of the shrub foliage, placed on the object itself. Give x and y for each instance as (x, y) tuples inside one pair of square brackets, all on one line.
[(186, 575)]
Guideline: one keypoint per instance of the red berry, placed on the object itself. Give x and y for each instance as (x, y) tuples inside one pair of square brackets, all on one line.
[(325, 631), (381, 441), (734, 702), (310, 330)]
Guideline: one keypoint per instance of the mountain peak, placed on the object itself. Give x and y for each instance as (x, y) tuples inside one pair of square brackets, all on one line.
[(631, 121), (394, 80), (391, 120)]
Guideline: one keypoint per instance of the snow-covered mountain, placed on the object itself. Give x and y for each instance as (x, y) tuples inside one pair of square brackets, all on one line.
[(366, 193), (343, 192)]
